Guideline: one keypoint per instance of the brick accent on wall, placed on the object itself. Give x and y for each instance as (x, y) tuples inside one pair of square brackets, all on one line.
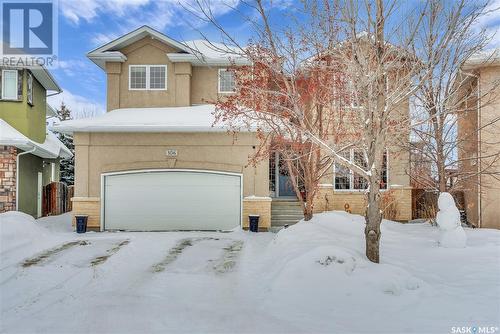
[(257, 206), (8, 156), (328, 199)]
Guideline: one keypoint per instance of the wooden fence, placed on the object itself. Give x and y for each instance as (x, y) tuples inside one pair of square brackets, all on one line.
[(56, 199)]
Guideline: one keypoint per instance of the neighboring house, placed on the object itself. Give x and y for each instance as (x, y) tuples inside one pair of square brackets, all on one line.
[(479, 132), (29, 154), (155, 161)]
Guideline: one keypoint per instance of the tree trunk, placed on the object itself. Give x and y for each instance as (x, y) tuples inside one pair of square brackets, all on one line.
[(309, 205), (373, 220)]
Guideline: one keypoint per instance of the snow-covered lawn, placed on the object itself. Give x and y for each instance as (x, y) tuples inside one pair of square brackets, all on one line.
[(309, 278)]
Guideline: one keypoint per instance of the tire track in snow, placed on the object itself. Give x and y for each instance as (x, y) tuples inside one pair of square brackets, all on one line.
[(176, 251), (50, 253), (223, 264), (227, 261), (110, 252)]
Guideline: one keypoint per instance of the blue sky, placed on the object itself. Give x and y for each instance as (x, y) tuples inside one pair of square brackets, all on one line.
[(87, 24)]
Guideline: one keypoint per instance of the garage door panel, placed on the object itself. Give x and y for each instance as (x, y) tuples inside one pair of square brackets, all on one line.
[(176, 200)]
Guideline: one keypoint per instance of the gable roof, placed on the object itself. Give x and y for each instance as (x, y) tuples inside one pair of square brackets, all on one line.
[(45, 78), (191, 51), (136, 35)]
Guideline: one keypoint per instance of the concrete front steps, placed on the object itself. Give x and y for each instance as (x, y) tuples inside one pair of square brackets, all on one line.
[(285, 212)]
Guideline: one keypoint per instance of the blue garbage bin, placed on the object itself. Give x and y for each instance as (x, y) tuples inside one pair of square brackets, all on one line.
[(254, 223), (81, 223)]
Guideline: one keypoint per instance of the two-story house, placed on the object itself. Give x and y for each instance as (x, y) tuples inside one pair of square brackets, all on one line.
[(29, 154), (156, 161)]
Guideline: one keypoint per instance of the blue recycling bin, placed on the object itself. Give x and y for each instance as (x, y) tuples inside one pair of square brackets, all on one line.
[(81, 223), (254, 223)]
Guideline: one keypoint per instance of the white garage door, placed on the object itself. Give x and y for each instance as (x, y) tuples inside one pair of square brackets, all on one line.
[(172, 200)]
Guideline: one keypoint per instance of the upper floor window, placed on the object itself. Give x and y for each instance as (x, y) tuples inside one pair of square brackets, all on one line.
[(9, 84), (346, 179), (30, 88), (148, 77), (227, 83)]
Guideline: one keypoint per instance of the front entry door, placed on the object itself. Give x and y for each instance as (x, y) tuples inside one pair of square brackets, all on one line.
[(285, 186)]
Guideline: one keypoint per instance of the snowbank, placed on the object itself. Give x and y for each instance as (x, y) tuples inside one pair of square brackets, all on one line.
[(319, 277), (61, 223), (329, 249), (18, 229)]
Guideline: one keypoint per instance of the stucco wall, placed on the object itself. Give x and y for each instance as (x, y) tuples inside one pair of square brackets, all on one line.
[(186, 84), (204, 84), (490, 147), (467, 155), (97, 153)]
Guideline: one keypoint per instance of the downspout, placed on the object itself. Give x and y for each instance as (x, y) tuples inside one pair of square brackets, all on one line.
[(478, 102), (17, 174)]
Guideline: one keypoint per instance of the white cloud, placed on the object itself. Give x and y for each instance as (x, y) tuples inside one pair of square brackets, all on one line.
[(89, 9), (492, 17), (490, 23), (71, 67), (133, 13), (80, 106), (101, 39)]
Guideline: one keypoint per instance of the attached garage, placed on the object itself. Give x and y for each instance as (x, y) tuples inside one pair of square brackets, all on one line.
[(170, 200)]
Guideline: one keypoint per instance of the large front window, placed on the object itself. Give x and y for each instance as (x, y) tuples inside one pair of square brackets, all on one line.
[(346, 179), (148, 77), (9, 84)]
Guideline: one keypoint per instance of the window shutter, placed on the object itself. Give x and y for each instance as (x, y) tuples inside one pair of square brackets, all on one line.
[(1, 84), (20, 84)]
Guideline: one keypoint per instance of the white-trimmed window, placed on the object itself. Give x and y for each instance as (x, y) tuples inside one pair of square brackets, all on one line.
[(9, 84), (346, 179), (227, 84), (30, 89), (148, 77)]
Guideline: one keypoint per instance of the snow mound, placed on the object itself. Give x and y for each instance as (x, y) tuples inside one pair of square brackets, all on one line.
[(18, 229), (60, 223), (452, 234), (324, 259)]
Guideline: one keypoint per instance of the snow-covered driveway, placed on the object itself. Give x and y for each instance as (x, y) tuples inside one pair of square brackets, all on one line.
[(135, 282), (310, 278)]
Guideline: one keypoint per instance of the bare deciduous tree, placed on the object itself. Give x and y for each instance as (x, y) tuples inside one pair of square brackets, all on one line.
[(447, 93), (369, 49)]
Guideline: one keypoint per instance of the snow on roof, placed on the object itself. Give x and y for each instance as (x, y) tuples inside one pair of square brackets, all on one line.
[(174, 119), (484, 58), (197, 52), (212, 49), (209, 53), (51, 148)]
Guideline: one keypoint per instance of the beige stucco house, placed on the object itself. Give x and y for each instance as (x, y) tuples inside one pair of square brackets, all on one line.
[(478, 132), (156, 161)]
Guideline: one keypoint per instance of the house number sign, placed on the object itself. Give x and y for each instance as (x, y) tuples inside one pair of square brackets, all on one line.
[(171, 153)]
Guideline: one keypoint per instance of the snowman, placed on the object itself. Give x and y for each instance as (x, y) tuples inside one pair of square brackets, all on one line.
[(452, 235)]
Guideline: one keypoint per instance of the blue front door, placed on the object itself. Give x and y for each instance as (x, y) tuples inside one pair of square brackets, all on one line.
[(285, 186)]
